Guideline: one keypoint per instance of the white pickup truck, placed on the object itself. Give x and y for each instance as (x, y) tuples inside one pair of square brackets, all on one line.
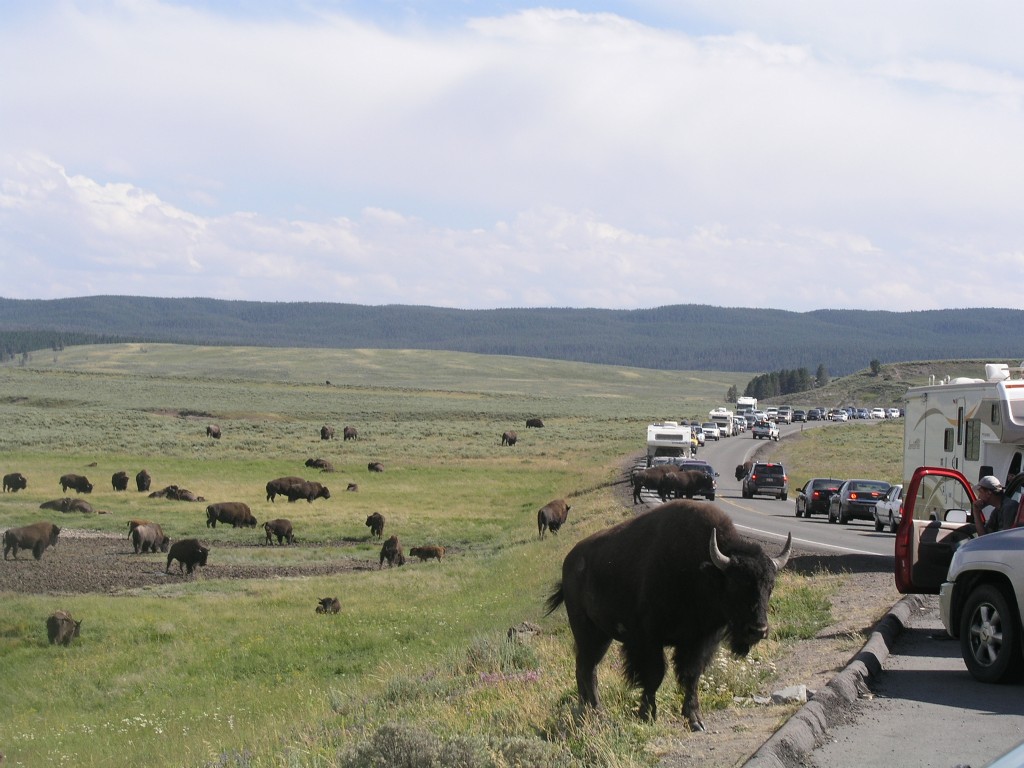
[(765, 429)]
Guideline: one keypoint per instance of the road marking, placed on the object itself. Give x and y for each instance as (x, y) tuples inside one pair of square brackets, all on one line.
[(809, 543)]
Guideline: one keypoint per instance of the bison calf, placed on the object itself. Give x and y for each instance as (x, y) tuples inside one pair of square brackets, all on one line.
[(61, 628), (375, 523), (426, 553), (35, 537), (189, 553), (329, 605), (392, 552), (552, 516), (281, 528)]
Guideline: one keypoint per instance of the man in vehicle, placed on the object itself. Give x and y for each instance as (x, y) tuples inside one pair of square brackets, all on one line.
[(1004, 511)]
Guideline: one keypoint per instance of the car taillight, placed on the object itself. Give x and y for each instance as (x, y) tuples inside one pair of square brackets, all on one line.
[(816, 494), (853, 494)]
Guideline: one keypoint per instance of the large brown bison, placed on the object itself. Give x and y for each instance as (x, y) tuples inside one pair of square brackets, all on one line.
[(189, 553), (67, 504), (375, 523), (14, 482), (119, 481), (392, 552), (426, 553), (279, 486), (534, 423), (686, 483), (281, 528), (509, 438), (322, 464), (235, 513), (375, 466), (326, 432), (34, 536), (80, 483), (552, 516), (328, 605), (149, 537), (743, 469), (349, 433), (678, 576), (61, 628), (212, 430), (308, 490), (143, 481), (649, 479)]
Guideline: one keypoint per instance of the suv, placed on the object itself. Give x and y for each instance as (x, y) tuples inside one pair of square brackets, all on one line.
[(766, 478), (765, 429)]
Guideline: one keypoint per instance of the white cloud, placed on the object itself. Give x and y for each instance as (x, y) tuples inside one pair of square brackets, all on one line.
[(540, 158)]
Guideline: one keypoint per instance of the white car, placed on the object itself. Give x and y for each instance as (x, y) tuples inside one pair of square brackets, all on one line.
[(840, 416), (711, 430), (892, 413), (878, 413), (889, 511)]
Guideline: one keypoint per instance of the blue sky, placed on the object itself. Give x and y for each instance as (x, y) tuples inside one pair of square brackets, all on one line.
[(795, 155)]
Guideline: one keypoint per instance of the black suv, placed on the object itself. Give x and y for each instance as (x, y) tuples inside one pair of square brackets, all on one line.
[(766, 478)]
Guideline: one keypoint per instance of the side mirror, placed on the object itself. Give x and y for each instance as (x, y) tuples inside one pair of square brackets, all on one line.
[(956, 516)]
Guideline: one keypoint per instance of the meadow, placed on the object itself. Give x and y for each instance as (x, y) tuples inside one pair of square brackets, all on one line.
[(417, 669)]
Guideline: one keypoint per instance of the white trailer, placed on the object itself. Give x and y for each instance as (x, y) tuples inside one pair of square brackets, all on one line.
[(668, 438), (975, 426), (723, 417), (745, 405)]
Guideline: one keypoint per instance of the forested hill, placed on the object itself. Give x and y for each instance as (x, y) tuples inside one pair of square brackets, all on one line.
[(682, 337)]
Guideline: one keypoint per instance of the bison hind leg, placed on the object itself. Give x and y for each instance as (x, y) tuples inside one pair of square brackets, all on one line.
[(645, 667)]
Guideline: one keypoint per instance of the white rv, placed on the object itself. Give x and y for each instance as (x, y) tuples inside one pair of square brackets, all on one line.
[(746, 405), (668, 438), (723, 417), (975, 426)]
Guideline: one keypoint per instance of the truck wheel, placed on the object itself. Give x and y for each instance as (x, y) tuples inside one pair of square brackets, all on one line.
[(990, 636)]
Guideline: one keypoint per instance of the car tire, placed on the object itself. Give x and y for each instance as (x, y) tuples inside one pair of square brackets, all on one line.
[(843, 520), (893, 525), (746, 494), (831, 518), (990, 636), (798, 513), (878, 525), (784, 496), (711, 497)]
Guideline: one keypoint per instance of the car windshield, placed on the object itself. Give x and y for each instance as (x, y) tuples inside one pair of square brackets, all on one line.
[(820, 485), (868, 486), (769, 469)]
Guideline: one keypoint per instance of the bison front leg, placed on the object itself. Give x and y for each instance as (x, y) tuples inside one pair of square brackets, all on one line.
[(645, 666), (690, 663)]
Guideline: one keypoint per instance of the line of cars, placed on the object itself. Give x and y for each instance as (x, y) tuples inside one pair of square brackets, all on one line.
[(853, 499)]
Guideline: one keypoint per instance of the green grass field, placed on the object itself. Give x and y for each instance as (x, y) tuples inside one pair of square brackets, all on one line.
[(416, 669)]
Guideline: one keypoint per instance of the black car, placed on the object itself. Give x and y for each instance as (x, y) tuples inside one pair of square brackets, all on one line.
[(856, 499), (814, 497), (799, 415), (766, 479)]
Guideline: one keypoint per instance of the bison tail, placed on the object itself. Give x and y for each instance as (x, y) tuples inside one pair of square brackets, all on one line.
[(554, 600)]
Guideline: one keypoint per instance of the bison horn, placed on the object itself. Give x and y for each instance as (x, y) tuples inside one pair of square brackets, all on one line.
[(783, 558), (721, 561)]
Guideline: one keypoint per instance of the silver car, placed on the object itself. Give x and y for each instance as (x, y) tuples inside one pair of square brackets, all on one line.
[(889, 511)]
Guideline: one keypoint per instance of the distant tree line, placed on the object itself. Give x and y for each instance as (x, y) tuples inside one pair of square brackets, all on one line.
[(20, 344), (785, 382)]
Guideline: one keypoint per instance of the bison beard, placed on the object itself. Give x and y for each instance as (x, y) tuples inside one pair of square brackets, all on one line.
[(624, 584)]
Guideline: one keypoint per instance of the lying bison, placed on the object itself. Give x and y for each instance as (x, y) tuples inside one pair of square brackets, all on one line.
[(392, 552), (119, 481), (142, 481), (34, 536), (375, 523), (534, 423), (61, 628), (686, 483), (624, 583), (328, 605), (79, 483), (212, 430), (189, 553), (235, 513), (149, 537), (375, 466), (349, 433), (322, 464), (552, 516), (176, 493), (281, 528), (509, 438), (326, 433), (15, 482), (426, 553)]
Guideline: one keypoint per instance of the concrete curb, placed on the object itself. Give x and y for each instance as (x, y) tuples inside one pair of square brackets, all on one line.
[(806, 729)]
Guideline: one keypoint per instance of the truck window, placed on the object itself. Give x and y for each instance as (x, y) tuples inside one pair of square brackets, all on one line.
[(937, 495), (947, 441), (972, 440)]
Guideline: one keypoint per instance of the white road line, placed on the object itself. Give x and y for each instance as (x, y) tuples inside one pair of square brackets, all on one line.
[(809, 543)]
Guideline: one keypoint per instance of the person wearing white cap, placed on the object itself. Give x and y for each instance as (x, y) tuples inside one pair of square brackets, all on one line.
[(990, 494)]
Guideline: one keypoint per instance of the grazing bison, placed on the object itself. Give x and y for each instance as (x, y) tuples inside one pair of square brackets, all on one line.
[(135, 523), (426, 553), (509, 438), (375, 466), (552, 516), (149, 537), (392, 552), (212, 430), (686, 483), (234, 512), (281, 528), (535, 423), (142, 481), (80, 483), (119, 481), (352, 487), (743, 469), (322, 464), (15, 482), (61, 628), (35, 536), (678, 576), (189, 553), (329, 605), (349, 433), (649, 478), (375, 523), (326, 433), (308, 490), (279, 486)]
